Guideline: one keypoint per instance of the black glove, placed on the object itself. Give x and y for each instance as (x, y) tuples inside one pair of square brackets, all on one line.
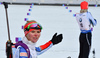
[(9, 49), (56, 38)]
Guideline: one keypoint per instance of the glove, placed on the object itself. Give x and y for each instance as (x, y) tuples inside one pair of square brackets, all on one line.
[(56, 38)]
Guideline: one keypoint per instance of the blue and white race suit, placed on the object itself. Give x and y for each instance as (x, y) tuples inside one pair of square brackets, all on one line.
[(34, 51), (83, 20)]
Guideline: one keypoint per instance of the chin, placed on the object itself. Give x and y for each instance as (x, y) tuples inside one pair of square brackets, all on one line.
[(34, 41)]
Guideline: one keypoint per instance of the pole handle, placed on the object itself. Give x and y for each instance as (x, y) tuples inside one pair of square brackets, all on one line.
[(5, 4)]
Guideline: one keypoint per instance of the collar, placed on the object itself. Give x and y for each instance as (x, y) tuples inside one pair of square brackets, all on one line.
[(30, 44)]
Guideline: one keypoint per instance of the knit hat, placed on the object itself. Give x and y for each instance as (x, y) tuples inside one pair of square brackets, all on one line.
[(31, 26), (84, 5)]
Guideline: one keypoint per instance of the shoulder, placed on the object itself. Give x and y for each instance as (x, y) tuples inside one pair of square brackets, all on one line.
[(77, 14), (22, 52), (21, 49), (89, 13), (21, 46)]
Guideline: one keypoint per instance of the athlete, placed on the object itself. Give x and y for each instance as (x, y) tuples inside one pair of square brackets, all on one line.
[(85, 21), (32, 31)]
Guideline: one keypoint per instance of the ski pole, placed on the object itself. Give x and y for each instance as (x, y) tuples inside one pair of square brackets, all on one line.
[(93, 53), (6, 6), (8, 43)]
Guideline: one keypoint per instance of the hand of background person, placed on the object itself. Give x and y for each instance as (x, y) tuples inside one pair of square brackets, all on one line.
[(56, 38), (92, 22)]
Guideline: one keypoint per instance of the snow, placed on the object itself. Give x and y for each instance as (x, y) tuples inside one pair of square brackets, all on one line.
[(53, 19)]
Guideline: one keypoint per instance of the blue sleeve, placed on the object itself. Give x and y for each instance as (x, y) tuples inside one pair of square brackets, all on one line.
[(15, 53), (39, 51), (92, 20)]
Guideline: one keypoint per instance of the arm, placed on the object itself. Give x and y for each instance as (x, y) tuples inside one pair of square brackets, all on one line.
[(16, 55), (43, 48), (92, 20), (55, 40)]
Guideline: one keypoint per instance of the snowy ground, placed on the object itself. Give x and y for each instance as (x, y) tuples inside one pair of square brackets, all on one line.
[(53, 19)]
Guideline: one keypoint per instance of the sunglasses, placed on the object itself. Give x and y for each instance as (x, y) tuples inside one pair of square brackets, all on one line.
[(33, 26)]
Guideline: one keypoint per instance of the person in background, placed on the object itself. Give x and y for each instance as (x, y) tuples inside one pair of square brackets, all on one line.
[(32, 31), (85, 22)]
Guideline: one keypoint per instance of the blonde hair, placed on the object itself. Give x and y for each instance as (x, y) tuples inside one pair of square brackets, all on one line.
[(83, 10), (30, 21)]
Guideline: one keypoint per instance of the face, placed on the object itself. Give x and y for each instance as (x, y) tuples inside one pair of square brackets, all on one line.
[(33, 36)]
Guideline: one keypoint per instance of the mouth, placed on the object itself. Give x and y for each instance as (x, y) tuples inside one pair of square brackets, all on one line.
[(34, 37)]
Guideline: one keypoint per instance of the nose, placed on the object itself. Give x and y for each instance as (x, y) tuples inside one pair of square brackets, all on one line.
[(36, 34)]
